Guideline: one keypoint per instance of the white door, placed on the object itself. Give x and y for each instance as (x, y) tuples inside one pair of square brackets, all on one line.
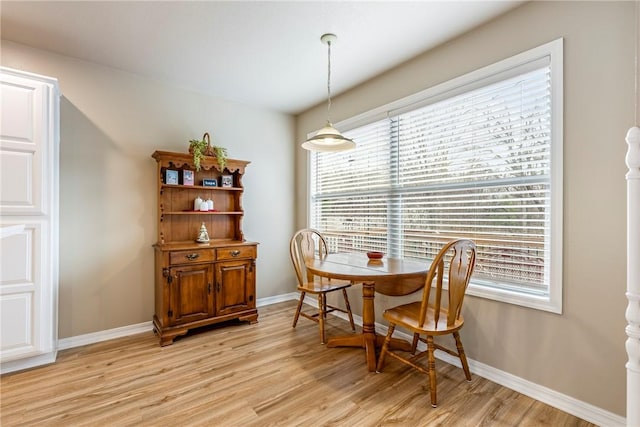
[(29, 146)]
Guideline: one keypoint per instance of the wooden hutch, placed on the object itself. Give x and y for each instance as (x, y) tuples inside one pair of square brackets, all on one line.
[(198, 284)]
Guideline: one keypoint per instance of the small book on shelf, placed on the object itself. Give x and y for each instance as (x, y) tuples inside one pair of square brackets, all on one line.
[(171, 177), (187, 177)]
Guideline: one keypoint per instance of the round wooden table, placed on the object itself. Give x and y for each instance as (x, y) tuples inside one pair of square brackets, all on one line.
[(387, 276)]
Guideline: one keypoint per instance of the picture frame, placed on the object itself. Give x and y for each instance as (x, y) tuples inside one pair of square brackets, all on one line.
[(171, 177), (226, 180), (209, 182), (188, 177)]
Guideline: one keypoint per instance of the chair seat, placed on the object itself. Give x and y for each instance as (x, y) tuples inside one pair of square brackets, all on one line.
[(407, 316), (322, 284)]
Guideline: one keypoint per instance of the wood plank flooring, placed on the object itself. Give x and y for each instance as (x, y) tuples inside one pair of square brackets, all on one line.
[(266, 374)]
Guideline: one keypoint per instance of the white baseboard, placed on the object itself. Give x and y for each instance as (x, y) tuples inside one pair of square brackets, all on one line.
[(109, 334), (29, 362), (261, 302), (124, 331), (553, 398)]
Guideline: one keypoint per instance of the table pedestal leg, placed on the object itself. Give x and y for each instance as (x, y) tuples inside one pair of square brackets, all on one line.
[(368, 339)]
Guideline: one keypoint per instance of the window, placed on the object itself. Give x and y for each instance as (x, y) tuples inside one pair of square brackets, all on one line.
[(478, 157)]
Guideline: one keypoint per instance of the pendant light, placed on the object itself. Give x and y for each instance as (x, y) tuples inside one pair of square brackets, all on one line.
[(328, 138)]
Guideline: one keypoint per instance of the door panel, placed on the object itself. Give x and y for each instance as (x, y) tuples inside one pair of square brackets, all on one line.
[(17, 258), (191, 293), (22, 146), (22, 313), (15, 324), (233, 287)]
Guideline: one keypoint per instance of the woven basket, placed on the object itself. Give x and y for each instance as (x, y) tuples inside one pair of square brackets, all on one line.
[(209, 150)]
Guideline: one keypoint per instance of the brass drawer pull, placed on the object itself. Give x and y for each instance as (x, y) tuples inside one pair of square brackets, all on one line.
[(235, 253), (191, 257)]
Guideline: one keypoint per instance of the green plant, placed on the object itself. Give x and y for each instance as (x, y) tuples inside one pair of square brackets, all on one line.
[(198, 148), (202, 147), (221, 154)]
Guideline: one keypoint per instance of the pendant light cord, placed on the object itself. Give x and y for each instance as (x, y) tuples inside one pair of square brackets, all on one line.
[(329, 82)]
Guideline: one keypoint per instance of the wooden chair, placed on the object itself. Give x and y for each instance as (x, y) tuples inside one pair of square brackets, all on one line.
[(305, 244), (430, 318)]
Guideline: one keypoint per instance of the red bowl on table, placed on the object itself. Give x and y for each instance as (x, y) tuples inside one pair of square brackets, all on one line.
[(375, 255)]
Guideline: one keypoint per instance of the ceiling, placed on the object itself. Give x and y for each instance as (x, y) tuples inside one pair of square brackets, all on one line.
[(264, 54)]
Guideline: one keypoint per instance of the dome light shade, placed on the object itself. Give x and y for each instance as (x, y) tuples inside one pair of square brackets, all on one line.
[(328, 138)]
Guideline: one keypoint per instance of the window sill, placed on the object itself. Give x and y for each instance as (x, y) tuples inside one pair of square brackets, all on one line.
[(544, 303)]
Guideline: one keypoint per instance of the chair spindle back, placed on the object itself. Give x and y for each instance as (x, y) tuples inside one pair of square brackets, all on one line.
[(305, 244), (460, 266)]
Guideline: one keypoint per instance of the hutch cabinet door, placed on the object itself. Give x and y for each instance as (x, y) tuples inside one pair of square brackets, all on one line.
[(29, 144), (190, 293), (235, 284)]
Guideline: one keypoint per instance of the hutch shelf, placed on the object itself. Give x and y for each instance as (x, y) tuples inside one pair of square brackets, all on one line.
[(198, 284)]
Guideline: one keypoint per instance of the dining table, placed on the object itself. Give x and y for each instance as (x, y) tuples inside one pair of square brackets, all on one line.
[(387, 276)]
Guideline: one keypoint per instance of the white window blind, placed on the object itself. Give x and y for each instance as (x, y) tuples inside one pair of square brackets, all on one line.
[(472, 162)]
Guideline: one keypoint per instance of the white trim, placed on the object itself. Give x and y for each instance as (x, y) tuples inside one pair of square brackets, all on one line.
[(109, 334), (632, 312), (30, 362), (553, 398), (261, 302), (517, 298), (86, 339), (125, 331), (556, 52)]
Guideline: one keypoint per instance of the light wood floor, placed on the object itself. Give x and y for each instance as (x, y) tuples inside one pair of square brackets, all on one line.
[(266, 374)]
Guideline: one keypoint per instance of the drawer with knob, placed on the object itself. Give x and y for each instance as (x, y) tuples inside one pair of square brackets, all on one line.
[(191, 256), (236, 252)]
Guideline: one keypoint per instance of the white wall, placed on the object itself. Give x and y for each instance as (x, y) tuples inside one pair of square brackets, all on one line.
[(581, 352), (111, 123)]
